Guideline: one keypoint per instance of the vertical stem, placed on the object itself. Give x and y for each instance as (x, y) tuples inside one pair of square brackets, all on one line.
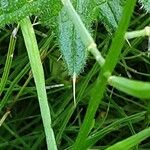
[(38, 74), (108, 67)]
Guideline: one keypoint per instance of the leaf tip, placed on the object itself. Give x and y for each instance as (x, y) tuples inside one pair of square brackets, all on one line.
[(74, 88)]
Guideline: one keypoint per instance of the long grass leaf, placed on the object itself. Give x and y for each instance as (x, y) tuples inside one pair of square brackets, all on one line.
[(131, 141), (8, 62), (38, 74)]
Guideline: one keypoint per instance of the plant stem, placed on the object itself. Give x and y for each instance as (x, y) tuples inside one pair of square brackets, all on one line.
[(138, 33), (108, 67), (38, 74), (84, 33)]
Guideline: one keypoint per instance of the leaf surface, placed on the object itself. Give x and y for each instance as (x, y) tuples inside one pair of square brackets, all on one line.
[(15, 10), (111, 11), (145, 4), (71, 46)]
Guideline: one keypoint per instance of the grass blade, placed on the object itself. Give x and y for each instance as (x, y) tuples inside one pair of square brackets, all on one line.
[(11, 49), (38, 74), (131, 141), (92, 139)]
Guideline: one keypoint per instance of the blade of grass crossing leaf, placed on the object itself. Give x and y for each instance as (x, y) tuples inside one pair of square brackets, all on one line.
[(72, 48), (107, 68), (38, 74), (118, 40), (111, 13), (131, 141)]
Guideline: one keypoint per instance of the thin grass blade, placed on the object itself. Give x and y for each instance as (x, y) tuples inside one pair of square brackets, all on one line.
[(131, 141)]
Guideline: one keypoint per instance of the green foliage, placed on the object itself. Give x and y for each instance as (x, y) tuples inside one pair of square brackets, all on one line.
[(111, 12), (74, 43), (8, 63), (131, 141), (38, 74), (108, 67), (145, 4), (14, 10), (135, 88), (71, 45)]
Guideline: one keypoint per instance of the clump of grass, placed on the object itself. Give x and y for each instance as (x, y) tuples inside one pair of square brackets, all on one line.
[(73, 128)]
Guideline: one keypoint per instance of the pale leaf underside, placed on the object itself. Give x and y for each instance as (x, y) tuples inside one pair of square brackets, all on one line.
[(145, 4)]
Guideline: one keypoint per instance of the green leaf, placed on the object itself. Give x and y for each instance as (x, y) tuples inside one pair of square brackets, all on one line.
[(135, 88), (145, 4), (38, 74), (111, 12), (48, 11), (71, 46), (8, 62), (131, 141), (14, 10)]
